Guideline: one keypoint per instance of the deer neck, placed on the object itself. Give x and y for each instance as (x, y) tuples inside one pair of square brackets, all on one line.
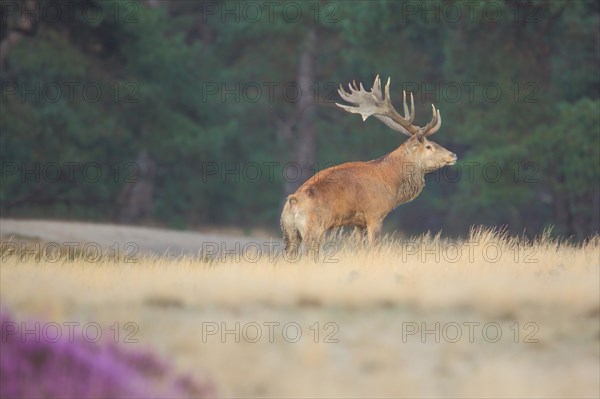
[(407, 177)]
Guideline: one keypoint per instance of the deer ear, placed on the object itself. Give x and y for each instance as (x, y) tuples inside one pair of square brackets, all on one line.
[(412, 147)]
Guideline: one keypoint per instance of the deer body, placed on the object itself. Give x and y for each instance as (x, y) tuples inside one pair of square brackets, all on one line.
[(361, 194)]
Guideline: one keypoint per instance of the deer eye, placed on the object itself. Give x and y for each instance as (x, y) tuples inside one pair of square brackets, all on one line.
[(428, 147)]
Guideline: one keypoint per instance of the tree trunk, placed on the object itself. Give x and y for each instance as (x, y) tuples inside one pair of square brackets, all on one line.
[(305, 140), (562, 213), (23, 25), (595, 221), (136, 200)]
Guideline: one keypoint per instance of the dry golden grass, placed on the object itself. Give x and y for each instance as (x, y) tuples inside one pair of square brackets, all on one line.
[(372, 298)]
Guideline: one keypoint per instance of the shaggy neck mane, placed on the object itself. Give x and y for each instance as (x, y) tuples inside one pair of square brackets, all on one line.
[(407, 177)]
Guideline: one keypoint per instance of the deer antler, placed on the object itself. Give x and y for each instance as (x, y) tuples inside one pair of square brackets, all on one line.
[(375, 103)]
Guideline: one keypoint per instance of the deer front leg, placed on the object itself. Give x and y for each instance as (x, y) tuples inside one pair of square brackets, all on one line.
[(374, 232)]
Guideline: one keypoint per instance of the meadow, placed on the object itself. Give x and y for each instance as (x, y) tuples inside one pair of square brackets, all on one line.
[(489, 315)]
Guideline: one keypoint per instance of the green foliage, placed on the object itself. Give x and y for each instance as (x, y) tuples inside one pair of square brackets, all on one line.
[(156, 73), (568, 153)]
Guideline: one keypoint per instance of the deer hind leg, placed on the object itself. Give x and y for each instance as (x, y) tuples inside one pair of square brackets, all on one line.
[(291, 235), (313, 237), (291, 243)]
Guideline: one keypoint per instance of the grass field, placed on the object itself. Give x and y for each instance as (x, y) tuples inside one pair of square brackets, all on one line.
[(487, 316)]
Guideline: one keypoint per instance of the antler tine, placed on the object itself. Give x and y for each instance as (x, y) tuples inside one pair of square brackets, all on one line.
[(376, 90), (345, 96), (433, 120), (409, 117), (379, 104), (437, 125), (387, 99)]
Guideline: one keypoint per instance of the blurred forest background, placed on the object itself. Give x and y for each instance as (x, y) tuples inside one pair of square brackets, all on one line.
[(184, 113)]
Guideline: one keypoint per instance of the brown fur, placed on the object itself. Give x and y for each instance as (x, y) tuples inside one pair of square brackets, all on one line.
[(359, 194)]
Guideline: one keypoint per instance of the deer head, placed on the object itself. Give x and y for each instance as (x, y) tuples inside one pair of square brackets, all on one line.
[(429, 156)]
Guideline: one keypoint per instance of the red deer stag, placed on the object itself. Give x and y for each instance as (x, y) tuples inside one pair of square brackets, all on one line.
[(361, 194)]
